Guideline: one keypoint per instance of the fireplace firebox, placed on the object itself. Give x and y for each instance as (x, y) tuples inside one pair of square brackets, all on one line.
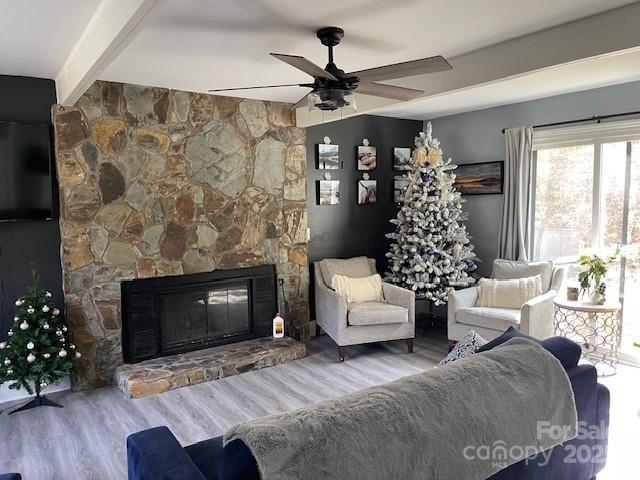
[(168, 315)]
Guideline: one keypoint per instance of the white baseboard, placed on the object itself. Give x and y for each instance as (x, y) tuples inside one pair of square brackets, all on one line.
[(7, 395)]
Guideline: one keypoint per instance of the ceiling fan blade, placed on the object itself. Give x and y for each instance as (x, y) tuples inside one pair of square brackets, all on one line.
[(261, 86), (305, 65), (388, 91), (404, 69)]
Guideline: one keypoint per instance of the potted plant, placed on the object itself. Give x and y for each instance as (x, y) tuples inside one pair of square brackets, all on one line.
[(594, 269)]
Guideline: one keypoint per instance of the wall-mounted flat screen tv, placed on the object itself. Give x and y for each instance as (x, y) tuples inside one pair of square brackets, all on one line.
[(25, 171)]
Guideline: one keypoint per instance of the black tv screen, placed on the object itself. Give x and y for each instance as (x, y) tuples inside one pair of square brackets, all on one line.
[(25, 171)]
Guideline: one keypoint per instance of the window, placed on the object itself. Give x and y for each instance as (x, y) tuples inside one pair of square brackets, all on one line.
[(586, 197)]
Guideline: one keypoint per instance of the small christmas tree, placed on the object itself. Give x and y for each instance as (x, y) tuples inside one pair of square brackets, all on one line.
[(38, 351), (431, 252)]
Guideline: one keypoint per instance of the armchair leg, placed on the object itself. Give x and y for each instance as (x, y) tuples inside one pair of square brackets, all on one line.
[(342, 352), (410, 345), (452, 343)]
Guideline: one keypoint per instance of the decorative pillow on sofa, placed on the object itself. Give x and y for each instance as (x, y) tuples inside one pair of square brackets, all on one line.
[(469, 344), (357, 290), (508, 293)]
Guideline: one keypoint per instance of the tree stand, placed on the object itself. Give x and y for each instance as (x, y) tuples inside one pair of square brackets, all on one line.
[(38, 401)]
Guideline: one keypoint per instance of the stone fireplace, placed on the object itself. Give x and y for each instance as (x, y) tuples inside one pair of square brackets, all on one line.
[(157, 182)]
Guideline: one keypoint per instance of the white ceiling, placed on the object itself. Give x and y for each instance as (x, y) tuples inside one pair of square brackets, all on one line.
[(573, 77), (194, 45), (36, 36)]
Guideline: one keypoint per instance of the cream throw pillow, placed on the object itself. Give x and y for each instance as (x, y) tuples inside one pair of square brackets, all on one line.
[(357, 290), (508, 293)]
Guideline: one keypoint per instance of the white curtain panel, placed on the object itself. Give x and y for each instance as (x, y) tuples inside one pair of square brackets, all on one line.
[(516, 212)]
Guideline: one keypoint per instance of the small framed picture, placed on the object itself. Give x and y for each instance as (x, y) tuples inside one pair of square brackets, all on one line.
[(328, 156), (366, 157), (328, 192), (479, 178), (367, 191), (399, 186), (401, 158)]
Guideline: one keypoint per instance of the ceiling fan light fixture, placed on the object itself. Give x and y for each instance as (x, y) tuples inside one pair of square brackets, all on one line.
[(330, 99)]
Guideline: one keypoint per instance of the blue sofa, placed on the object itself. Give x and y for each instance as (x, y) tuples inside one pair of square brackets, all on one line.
[(155, 454), (10, 476)]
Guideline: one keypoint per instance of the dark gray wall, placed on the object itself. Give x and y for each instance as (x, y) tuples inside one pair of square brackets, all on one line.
[(349, 229), (476, 137), (28, 100)]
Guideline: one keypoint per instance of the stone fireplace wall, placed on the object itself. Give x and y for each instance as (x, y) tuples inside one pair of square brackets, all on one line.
[(157, 182)]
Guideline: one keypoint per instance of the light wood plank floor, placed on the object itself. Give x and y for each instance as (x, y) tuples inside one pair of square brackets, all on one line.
[(86, 439)]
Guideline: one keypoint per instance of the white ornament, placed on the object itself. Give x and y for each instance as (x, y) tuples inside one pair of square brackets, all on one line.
[(78, 355), (64, 328), (9, 371), (10, 333), (31, 358), (45, 326), (43, 384), (55, 312), (62, 353), (19, 303), (16, 318), (7, 361), (24, 325), (58, 332), (3, 345), (72, 346), (48, 294), (30, 310), (46, 355), (30, 346), (45, 309)]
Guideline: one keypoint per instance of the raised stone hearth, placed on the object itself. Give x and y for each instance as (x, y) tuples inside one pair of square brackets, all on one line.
[(166, 373)]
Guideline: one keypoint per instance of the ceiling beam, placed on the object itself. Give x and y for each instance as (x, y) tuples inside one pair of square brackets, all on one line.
[(113, 26)]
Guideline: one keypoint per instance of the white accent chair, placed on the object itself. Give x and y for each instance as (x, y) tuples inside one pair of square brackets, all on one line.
[(366, 322), (535, 318)]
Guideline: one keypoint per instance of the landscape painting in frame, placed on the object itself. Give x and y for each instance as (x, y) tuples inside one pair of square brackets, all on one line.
[(367, 191), (328, 192), (366, 158), (479, 178), (401, 158), (328, 156)]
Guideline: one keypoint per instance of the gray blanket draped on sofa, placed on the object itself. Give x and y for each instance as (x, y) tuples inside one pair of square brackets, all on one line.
[(449, 422)]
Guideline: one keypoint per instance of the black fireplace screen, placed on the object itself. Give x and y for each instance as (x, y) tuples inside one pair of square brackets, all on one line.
[(194, 316), (162, 316)]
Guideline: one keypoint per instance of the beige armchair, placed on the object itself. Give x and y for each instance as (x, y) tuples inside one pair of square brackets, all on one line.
[(535, 318), (366, 322)]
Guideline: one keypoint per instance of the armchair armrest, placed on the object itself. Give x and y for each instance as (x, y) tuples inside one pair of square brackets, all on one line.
[(156, 454), (536, 316), (402, 297), (331, 311), (467, 297)]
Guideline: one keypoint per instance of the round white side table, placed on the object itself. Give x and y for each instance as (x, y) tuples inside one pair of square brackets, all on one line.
[(596, 328)]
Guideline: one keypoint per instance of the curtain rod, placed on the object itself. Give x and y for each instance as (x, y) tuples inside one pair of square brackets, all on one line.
[(594, 118)]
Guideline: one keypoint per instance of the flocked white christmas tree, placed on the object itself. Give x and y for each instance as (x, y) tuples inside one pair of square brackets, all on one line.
[(431, 252)]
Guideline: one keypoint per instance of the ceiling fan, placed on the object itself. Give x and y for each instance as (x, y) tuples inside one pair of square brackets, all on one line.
[(332, 88)]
